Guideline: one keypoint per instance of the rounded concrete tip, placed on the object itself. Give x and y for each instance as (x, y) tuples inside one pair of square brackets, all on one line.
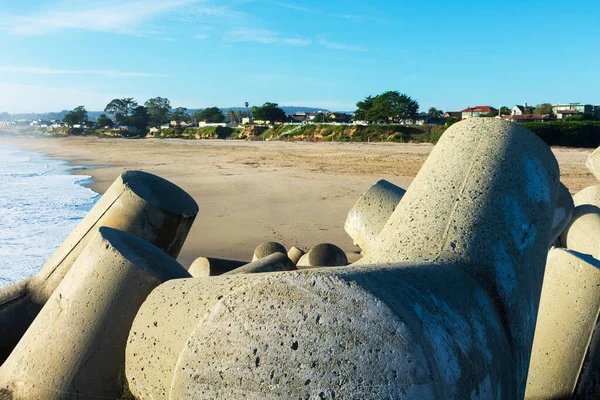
[(160, 192), (142, 253)]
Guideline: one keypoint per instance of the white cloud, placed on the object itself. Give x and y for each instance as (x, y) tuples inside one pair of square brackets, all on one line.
[(317, 11), (126, 17), (340, 46), (52, 71), (263, 36), (201, 36)]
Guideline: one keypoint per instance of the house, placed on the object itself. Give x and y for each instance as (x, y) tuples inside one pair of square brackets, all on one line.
[(165, 126), (203, 124), (339, 117), (453, 114), (297, 118), (518, 110), (478, 111), (565, 110), (247, 121), (527, 117)]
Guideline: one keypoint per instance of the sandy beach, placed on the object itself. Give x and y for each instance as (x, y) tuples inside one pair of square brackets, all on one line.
[(296, 193)]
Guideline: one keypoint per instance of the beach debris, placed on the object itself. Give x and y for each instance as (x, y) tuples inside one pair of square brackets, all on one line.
[(443, 305), (75, 348), (137, 202), (323, 255), (295, 254), (272, 263), (371, 212), (208, 266), (266, 249), (564, 362)]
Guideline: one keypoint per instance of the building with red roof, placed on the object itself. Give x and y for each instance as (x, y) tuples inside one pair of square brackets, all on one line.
[(478, 111)]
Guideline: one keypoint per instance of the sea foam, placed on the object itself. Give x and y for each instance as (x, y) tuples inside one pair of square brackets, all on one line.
[(40, 204)]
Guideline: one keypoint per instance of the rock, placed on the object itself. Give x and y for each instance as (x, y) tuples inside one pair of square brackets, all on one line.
[(323, 255), (371, 212), (445, 307), (266, 249), (75, 348), (295, 254), (137, 202), (271, 263), (561, 365), (208, 266)]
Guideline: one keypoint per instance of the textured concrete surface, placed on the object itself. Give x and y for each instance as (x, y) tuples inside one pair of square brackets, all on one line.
[(563, 212), (583, 233), (444, 306), (371, 212), (75, 348), (567, 320), (484, 198), (266, 249), (137, 202), (589, 195), (593, 163), (208, 266), (295, 254), (323, 255), (271, 263)]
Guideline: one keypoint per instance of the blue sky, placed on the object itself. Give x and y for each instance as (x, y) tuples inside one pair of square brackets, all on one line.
[(56, 55)]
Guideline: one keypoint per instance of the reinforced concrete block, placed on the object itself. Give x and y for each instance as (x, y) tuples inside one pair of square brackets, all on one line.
[(208, 266), (323, 255), (295, 254), (266, 249), (589, 195), (583, 234), (75, 348), (567, 319), (445, 309), (593, 163), (271, 263), (371, 212), (137, 202), (563, 212)]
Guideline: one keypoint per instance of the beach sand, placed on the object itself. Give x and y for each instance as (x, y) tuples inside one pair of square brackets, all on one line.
[(295, 193)]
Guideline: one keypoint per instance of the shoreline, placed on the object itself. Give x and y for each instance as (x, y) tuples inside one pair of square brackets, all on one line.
[(295, 193)]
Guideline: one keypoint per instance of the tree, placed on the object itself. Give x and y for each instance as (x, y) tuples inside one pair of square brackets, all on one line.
[(140, 118), (212, 115), (269, 112), (121, 109), (247, 112), (543, 108), (159, 110), (180, 115), (78, 116), (239, 116), (103, 121), (391, 106), (505, 110), (231, 116)]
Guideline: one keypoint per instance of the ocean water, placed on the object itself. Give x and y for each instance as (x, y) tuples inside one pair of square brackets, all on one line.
[(40, 204)]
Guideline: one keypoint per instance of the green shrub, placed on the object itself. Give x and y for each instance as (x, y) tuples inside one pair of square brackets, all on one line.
[(567, 133)]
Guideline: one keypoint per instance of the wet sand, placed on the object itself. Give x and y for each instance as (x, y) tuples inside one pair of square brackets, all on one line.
[(296, 193)]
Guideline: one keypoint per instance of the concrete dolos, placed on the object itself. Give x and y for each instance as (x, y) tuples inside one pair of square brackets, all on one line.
[(266, 249), (295, 254), (323, 255), (583, 234), (445, 308), (207, 266), (371, 212), (75, 348), (271, 263), (563, 212), (589, 195), (593, 163), (137, 202), (567, 320)]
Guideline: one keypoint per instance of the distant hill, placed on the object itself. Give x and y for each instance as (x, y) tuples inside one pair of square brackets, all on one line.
[(92, 115)]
